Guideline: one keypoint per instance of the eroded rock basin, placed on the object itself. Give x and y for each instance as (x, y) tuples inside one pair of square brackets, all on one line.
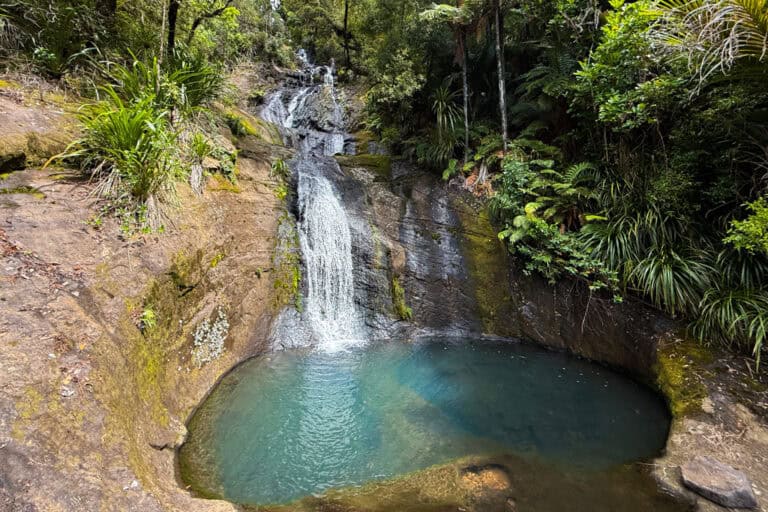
[(428, 424)]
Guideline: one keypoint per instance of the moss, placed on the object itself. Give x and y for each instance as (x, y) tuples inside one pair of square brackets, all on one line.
[(220, 183), (679, 368), (403, 311), (134, 387), (362, 139), (239, 125), (486, 260), (380, 259), (216, 259), (44, 146), (380, 165), (34, 192), (286, 261), (7, 84), (269, 132), (281, 191)]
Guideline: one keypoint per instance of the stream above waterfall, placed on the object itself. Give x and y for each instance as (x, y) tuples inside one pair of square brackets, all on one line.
[(297, 423)]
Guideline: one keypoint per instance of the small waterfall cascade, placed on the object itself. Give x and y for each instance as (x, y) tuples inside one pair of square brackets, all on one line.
[(326, 244), (312, 121)]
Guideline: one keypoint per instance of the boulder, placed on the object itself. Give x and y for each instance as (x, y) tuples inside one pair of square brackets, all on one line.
[(718, 482)]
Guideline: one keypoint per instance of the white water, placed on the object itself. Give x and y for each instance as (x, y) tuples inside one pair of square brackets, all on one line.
[(326, 244), (330, 319)]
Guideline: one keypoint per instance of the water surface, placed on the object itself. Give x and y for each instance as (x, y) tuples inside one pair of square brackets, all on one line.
[(298, 423)]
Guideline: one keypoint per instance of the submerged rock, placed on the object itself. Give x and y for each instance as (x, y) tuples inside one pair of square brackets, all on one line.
[(718, 482), (484, 479)]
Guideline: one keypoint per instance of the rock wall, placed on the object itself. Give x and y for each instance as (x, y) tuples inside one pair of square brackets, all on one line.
[(99, 367)]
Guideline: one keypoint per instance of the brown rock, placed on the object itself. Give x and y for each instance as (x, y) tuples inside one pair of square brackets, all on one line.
[(485, 479)]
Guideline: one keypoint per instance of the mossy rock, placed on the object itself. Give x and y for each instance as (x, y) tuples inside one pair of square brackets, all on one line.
[(24, 189), (7, 84), (20, 150), (242, 125), (679, 369), (487, 264), (42, 146), (380, 165)]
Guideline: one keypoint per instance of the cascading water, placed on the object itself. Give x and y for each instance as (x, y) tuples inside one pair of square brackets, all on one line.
[(312, 121), (326, 244)]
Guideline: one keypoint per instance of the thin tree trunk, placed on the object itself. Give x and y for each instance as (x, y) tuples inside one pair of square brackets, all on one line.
[(500, 70), (173, 15), (346, 32), (465, 87), (208, 15), (161, 54)]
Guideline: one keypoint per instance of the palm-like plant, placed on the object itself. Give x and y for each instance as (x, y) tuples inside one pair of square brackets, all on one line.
[(716, 35), (735, 310), (459, 19), (445, 108)]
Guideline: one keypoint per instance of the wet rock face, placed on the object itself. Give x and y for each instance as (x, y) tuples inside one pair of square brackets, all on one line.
[(718, 482), (406, 230), (435, 273), (568, 316)]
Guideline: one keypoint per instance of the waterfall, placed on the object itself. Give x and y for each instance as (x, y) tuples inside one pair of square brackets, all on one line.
[(326, 245), (312, 124)]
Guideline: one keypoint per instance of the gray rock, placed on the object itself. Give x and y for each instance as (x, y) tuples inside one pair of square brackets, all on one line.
[(718, 482)]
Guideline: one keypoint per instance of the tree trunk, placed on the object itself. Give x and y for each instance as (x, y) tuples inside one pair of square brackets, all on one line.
[(465, 87), (205, 16), (173, 15), (346, 32), (500, 70)]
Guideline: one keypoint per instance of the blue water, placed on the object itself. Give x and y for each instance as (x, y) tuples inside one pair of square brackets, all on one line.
[(297, 423)]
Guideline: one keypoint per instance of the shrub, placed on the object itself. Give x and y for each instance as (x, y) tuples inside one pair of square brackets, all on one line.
[(185, 82), (129, 146)]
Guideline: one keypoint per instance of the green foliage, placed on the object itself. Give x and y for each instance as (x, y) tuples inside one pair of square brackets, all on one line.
[(184, 82), (452, 169), (541, 208), (737, 317), (280, 169), (129, 146), (52, 33), (717, 37), (624, 77), (752, 232), (395, 85), (446, 108), (148, 318)]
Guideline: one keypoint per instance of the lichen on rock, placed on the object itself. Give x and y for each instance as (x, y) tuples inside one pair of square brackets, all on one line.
[(208, 343)]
